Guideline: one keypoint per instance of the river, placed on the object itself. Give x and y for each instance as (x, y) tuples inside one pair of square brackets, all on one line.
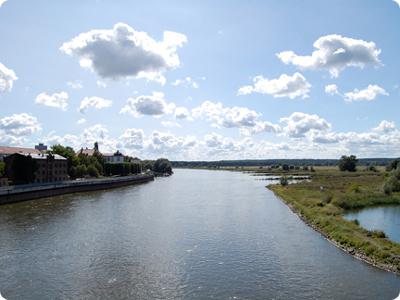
[(195, 235)]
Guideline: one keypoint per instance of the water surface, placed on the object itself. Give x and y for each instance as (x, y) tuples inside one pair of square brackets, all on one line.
[(196, 235), (386, 218)]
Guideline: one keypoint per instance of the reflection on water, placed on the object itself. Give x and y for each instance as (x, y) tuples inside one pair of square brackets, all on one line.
[(196, 235), (386, 218)]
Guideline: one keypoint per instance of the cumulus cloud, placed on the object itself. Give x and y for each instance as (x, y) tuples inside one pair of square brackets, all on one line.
[(123, 52), (187, 82), (7, 78), (22, 124), (396, 1), (247, 120), (57, 100), (81, 121), (335, 53), (132, 138), (367, 94), (331, 89), (76, 84), (226, 116), (385, 127), (95, 102), (2, 2), (298, 124), (151, 105), (285, 86), (170, 124), (182, 113)]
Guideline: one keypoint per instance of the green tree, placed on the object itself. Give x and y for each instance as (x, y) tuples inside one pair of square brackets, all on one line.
[(81, 171), (348, 163), (69, 154), (163, 166), (393, 165), (92, 171), (2, 168)]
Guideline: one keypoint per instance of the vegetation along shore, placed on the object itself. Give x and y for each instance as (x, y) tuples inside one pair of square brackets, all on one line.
[(322, 202)]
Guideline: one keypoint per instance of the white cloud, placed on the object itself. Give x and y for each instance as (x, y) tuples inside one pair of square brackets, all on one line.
[(76, 84), (335, 53), (396, 1), (331, 89), (101, 83), (7, 78), (81, 121), (385, 127), (132, 138), (247, 120), (152, 105), (299, 124), (182, 113), (22, 124), (170, 124), (187, 82), (57, 100), (285, 86), (95, 102), (226, 116), (2, 2), (367, 94), (123, 52)]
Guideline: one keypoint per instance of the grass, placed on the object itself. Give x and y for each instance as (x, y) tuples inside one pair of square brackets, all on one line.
[(322, 202)]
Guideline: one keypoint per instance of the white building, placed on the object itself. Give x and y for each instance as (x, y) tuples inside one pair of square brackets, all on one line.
[(113, 158)]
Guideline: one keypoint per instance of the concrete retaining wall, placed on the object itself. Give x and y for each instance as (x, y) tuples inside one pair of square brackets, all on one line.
[(28, 192)]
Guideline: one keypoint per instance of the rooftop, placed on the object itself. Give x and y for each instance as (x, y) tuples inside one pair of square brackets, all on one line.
[(11, 150)]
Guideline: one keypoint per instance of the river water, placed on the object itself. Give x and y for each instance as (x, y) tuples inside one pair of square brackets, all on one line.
[(386, 218), (195, 235)]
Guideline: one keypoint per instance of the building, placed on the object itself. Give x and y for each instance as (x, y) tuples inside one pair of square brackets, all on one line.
[(5, 151), (51, 167), (86, 151), (113, 158), (41, 147)]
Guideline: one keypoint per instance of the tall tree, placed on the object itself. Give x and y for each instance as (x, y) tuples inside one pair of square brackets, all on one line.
[(348, 163)]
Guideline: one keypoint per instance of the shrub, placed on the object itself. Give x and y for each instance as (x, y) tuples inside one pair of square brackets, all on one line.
[(393, 165), (284, 181), (92, 171), (348, 163), (285, 167), (327, 199), (355, 221), (392, 184), (81, 171), (354, 188)]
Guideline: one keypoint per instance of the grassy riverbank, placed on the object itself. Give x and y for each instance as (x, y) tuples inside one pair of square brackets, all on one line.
[(322, 202)]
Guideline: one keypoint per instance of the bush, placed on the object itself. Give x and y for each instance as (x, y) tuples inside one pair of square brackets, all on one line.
[(92, 171), (354, 188), (81, 171), (327, 199), (394, 164), (285, 167), (163, 165), (348, 163), (284, 181), (391, 185), (355, 221)]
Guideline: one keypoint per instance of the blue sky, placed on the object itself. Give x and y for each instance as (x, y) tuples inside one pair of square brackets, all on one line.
[(219, 85)]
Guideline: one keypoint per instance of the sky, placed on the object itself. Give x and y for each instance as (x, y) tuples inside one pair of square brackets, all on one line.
[(203, 80)]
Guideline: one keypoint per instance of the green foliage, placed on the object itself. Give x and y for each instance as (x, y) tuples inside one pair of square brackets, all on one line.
[(392, 184), (22, 169), (81, 171), (163, 166), (2, 168), (284, 181), (348, 163), (324, 210), (394, 164), (285, 167), (121, 169), (92, 171)]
